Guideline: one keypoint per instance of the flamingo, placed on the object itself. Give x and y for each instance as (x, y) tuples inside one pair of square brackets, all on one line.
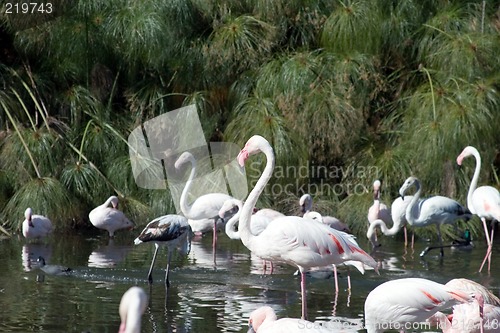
[(395, 304), (269, 213), (436, 210), (378, 210), (206, 206), (484, 201), (398, 216), (132, 305), (110, 218), (306, 202), (36, 226), (264, 320), (292, 239), (172, 231), (474, 288), (475, 317)]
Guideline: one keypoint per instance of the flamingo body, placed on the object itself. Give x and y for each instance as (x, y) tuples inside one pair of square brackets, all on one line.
[(410, 300), (264, 320), (36, 226), (109, 218), (132, 305), (269, 213), (172, 231)]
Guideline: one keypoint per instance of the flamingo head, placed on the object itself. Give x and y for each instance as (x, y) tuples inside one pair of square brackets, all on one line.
[(28, 213), (376, 189), (253, 146), (407, 184), (258, 316), (468, 151), (227, 206), (114, 201), (305, 202), (183, 159)]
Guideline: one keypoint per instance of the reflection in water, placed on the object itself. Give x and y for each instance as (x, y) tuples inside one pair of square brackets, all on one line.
[(31, 252), (108, 255)]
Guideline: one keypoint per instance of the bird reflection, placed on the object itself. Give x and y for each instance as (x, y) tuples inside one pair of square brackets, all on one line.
[(108, 255), (31, 252)]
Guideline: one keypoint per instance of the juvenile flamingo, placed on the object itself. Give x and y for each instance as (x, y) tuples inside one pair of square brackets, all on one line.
[(109, 218), (172, 231), (306, 202), (132, 306), (36, 226), (206, 206), (292, 239), (436, 210), (396, 303), (484, 201), (264, 320)]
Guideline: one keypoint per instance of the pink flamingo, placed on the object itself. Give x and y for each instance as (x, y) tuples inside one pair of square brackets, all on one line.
[(378, 211), (206, 206), (306, 202), (172, 231), (36, 226), (132, 306), (484, 201), (292, 239), (473, 287), (397, 303), (475, 317), (264, 320), (436, 210), (110, 218)]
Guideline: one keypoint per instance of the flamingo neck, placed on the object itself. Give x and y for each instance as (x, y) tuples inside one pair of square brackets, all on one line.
[(246, 211), (185, 207), (230, 232), (106, 204), (412, 209), (475, 178), (383, 227)]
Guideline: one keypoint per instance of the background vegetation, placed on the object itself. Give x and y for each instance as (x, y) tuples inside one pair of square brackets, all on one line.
[(366, 89)]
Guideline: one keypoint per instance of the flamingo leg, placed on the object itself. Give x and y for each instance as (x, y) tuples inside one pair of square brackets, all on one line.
[(214, 241), (440, 238), (303, 294), (150, 274), (336, 279), (488, 241), (406, 236), (167, 282)]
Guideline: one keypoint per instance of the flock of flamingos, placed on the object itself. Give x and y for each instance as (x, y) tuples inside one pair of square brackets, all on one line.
[(313, 241)]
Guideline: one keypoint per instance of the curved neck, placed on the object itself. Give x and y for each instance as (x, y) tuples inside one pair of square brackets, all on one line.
[(383, 227), (411, 210), (230, 232), (246, 211), (106, 204), (475, 178), (185, 208)]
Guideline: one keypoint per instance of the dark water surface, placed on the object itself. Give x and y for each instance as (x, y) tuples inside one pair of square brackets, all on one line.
[(203, 297)]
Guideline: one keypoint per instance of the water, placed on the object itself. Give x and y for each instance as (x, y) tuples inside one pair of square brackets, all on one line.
[(202, 297)]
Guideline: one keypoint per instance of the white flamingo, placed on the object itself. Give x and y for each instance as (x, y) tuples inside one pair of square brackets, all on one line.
[(36, 226), (206, 206), (110, 218), (292, 239), (436, 210), (264, 320), (305, 203), (484, 201), (398, 216), (378, 211), (172, 231), (132, 306), (269, 213), (397, 303)]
